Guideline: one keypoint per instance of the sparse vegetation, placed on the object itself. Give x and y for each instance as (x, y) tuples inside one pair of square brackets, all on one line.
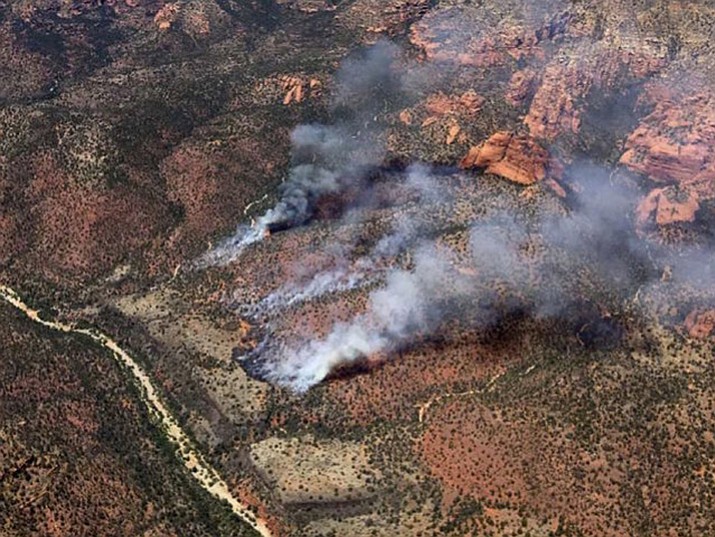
[(133, 136)]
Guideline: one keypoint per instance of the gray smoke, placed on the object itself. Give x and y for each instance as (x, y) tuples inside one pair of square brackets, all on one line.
[(412, 302), (402, 308), (318, 149), (595, 235), (346, 275), (367, 80), (327, 159)]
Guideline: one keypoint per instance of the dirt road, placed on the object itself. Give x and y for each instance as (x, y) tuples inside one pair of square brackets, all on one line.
[(198, 467)]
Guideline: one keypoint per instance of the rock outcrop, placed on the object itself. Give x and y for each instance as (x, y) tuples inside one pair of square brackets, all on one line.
[(445, 35), (521, 86), (675, 144), (674, 147), (517, 158), (668, 205), (700, 324), (557, 106), (468, 103)]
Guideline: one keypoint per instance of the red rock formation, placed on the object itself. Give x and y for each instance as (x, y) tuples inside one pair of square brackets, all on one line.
[(517, 158), (469, 103), (438, 35), (296, 89), (293, 86), (166, 16), (676, 144), (453, 133), (406, 117), (700, 324), (703, 184), (670, 205), (566, 81), (447, 112), (520, 86), (553, 110)]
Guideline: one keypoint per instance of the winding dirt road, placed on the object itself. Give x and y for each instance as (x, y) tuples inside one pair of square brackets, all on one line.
[(198, 467)]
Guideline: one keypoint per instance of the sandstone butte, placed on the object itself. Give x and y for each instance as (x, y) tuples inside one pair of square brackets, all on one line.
[(674, 146), (514, 157), (553, 110)]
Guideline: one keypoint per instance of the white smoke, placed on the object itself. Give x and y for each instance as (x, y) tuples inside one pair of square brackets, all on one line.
[(596, 235), (400, 309), (438, 288), (326, 158), (337, 280), (366, 270), (410, 304)]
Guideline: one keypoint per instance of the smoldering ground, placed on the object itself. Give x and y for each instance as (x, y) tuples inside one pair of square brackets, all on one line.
[(499, 273), (544, 265), (329, 158), (341, 270)]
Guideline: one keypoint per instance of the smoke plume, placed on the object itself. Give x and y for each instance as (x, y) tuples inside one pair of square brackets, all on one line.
[(327, 159), (437, 287), (418, 285), (403, 307)]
